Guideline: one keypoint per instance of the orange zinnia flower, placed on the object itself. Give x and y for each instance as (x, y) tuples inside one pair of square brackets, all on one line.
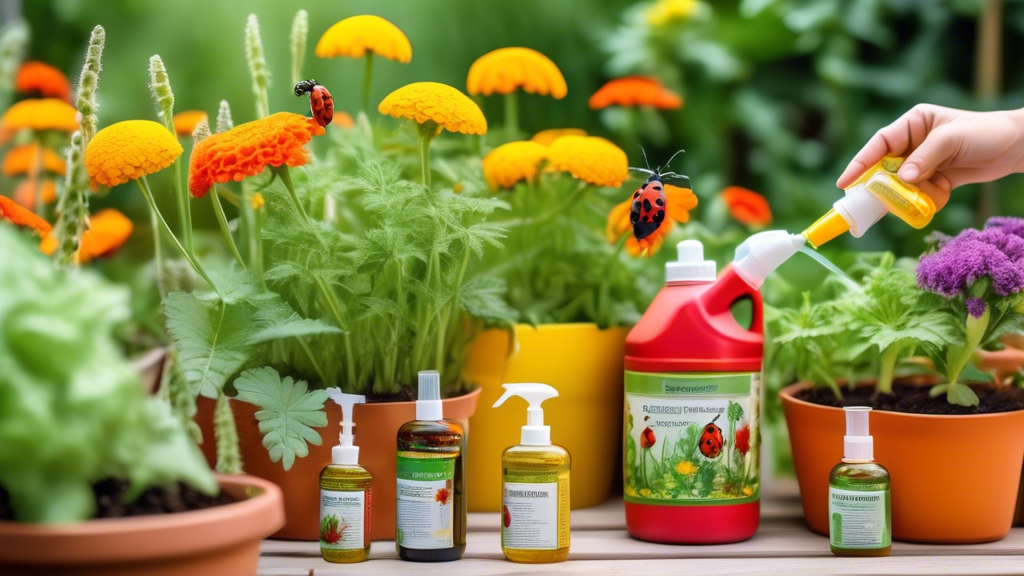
[(25, 193), (108, 231), (635, 91), (41, 78), (678, 203), (23, 159), (12, 212), (747, 207), (246, 149)]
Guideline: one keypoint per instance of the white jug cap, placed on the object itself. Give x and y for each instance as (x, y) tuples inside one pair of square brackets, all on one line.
[(691, 265)]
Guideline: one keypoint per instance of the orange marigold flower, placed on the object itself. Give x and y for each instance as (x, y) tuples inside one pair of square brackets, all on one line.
[(747, 207), (129, 150), (433, 102), (504, 70), (25, 193), (246, 149), (108, 231), (343, 119), (635, 91), (546, 137), (589, 158), (23, 159), (43, 79), (38, 114), (12, 212), (185, 122), (513, 162), (355, 36), (678, 203)]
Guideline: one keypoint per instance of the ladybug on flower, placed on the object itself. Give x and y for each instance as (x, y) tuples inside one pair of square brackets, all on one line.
[(321, 103)]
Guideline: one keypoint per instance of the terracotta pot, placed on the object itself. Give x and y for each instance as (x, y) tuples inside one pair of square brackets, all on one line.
[(212, 542), (376, 432), (955, 479), (150, 366), (585, 364)]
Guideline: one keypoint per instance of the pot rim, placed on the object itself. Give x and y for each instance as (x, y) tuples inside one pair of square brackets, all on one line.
[(368, 405), (252, 518), (788, 395)]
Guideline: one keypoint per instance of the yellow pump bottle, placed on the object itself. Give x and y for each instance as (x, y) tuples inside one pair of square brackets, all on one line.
[(345, 494), (534, 486), (877, 191)]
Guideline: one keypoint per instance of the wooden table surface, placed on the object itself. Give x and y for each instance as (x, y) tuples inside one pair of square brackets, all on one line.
[(600, 545)]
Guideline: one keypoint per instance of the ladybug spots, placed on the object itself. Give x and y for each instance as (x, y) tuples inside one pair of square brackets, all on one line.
[(660, 201), (647, 205), (636, 194), (647, 210), (659, 216)]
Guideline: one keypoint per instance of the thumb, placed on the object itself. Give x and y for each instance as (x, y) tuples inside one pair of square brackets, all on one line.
[(939, 146)]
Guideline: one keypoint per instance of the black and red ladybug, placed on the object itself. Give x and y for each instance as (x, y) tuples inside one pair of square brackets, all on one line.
[(647, 210), (321, 103), (711, 441)]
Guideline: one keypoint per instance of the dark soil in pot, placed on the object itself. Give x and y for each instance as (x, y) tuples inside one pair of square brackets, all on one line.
[(160, 500), (914, 399)]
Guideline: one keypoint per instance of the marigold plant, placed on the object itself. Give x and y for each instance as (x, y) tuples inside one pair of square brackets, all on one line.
[(24, 159), (632, 91), (38, 115), (513, 162), (128, 150), (185, 122), (506, 70), (361, 36), (108, 231), (747, 207), (546, 137), (25, 193), (20, 216), (589, 158), (43, 79)]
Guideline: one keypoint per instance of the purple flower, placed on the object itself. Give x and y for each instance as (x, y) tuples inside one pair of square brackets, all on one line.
[(976, 307), (971, 256), (1008, 224)]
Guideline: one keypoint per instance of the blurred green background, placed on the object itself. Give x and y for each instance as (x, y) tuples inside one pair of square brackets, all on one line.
[(779, 93)]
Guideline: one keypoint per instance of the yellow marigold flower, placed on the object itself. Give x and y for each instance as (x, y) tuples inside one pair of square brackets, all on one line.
[(645, 492), (108, 231), (747, 491), (512, 162), (257, 201), (22, 160), (505, 69), (128, 150), (666, 11), (458, 187), (185, 122), (433, 102), (589, 158), (354, 36), (686, 468), (546, 137), (38, 114)]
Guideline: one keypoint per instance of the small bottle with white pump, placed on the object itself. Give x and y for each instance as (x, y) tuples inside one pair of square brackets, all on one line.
[(534, 486), (860, 523), (345, 493)]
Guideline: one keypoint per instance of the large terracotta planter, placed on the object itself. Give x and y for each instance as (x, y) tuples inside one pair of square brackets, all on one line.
[(212, 542), (955, 479), (376, 432), (585, 364)]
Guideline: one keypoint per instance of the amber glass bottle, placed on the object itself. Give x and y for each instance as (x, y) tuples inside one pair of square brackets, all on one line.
[(346, 483)]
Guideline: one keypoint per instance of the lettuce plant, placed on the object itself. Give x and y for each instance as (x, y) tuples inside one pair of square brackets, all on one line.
[(72, 412)]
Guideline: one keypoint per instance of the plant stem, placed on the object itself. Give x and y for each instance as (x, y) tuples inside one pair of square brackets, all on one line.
[(286, 178), (511, 116), (367, 76), (225, 230), (144, 186), (958, 356), (335, 310), (887, 368), (255, 240), (184, 209), (427, 131), (158, 258)]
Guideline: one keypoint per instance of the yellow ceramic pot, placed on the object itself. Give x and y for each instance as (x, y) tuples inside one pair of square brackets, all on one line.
[(585, 364)]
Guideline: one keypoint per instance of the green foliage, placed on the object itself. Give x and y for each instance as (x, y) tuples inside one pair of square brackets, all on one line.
[(67, 424), (229, 458), (287, 415)]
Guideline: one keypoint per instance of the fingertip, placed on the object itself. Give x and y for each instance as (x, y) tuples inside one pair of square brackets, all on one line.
[(909, 172)]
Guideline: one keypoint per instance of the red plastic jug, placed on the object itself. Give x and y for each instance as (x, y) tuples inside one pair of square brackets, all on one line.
[(692, 395)]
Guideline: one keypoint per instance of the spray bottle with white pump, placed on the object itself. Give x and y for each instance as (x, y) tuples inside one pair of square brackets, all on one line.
[(534, 486), (858, 494), (345, 493)]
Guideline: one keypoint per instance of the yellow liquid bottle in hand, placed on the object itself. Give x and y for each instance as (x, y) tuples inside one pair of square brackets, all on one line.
[(877, 191)]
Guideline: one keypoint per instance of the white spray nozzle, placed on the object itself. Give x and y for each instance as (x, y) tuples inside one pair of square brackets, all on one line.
[(759, 255), (345, 452), (690, 265), (858, 443), (535, 433), (428, 401)]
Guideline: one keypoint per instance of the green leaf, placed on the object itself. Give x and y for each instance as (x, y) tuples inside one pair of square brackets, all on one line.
[(961, 395), (288, 412)]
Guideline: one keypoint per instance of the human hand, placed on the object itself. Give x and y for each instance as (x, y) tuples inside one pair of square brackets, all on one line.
[(945, 148)]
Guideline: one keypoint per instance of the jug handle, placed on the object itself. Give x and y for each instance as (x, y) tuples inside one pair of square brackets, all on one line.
[(730, 287)]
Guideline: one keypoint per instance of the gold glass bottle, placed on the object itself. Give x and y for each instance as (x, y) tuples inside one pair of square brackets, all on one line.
[(345, 494), (859, 513)]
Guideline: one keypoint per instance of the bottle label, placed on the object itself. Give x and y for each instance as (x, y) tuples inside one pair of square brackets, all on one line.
[(858, 519), (426, 502), (692, 438), (530, 504), (343, 519)]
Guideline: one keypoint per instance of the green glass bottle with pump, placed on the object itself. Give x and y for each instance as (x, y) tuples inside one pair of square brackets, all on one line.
[(345, 494), (860, 521), (431, 506), (534, 486)]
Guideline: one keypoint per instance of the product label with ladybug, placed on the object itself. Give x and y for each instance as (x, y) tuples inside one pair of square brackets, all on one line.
[(692, 439)]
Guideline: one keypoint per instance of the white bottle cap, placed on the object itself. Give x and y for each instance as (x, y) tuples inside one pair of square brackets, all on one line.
[(691, 265), (759, 255), (857, 444), (345, 452), (428, 401), (860, 208), (535, 433)]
